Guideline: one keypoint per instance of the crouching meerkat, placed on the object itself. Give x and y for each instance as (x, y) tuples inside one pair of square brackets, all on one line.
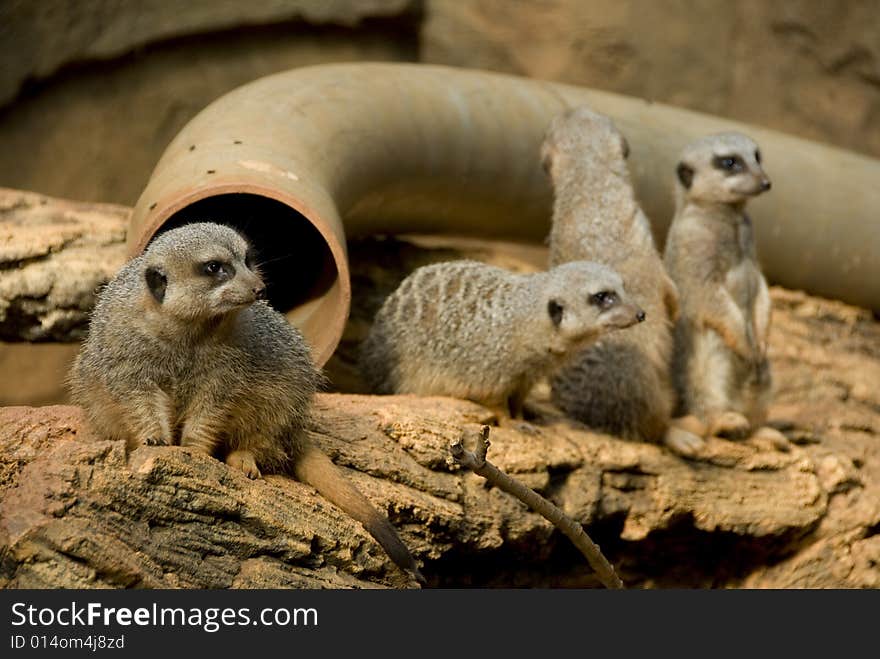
[(470, 330), (721, 367), (622, 384), (182, 349)]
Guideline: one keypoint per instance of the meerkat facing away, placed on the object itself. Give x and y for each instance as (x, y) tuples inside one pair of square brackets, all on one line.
[(622, 384), (470, 330), (181, 349), (721, 367)]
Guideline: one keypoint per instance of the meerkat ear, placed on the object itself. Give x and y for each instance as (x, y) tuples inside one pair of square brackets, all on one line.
[(685, 174), (555, 310), (157, 282)]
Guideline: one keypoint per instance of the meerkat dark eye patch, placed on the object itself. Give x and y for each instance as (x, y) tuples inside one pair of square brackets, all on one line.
[(604, 299), (625, 148), (157, 282), (685, 174), (758, 157), (730, 164), (555, 311)]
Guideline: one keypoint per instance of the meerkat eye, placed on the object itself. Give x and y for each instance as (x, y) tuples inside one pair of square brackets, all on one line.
[(604, 299), (212, 267), (218, 270), (625, 148), (732, 164), (758, 157)]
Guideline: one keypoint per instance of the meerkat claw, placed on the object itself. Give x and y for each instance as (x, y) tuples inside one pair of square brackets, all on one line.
[(244, 461)]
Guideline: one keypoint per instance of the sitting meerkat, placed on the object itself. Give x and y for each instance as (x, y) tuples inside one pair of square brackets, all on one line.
[(720, 367), (182, 349), (622, 384), (470, 330)]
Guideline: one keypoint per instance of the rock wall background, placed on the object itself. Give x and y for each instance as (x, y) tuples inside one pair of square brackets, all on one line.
[(91, 92)]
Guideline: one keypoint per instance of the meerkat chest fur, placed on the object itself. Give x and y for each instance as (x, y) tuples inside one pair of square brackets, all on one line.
[(725, 238)]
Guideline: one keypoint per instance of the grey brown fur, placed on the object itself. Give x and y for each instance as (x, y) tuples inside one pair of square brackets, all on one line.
[(721, 365), (181, 350), (471, 330), (622, 384)]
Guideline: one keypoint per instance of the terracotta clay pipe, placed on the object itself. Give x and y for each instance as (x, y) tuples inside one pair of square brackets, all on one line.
[(304, 159)]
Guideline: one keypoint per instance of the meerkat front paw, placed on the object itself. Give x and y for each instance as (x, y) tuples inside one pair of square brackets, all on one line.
[(730, 425), (683, 442), (773, 437), (244, 460), (690, 423), (155, 441)]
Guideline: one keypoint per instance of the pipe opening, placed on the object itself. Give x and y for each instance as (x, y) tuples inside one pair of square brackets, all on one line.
[(295, 260)]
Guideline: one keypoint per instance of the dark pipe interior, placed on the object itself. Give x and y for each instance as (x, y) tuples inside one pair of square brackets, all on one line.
[(294, 258)]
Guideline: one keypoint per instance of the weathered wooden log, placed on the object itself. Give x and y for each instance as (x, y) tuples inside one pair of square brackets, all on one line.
[(78, 512), (54, 253)]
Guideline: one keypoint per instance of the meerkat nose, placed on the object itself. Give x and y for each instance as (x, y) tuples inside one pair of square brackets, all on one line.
[(765, 184), (260, 292), (640, 316)]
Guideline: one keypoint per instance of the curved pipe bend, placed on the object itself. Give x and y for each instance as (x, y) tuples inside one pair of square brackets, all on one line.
[(303, 159)]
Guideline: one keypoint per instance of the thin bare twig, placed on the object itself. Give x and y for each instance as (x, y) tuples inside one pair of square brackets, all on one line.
[(476, 462)]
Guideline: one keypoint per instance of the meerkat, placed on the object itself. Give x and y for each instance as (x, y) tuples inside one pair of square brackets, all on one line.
[(470, 330), (182, 349), (721, 367), (622, 384)]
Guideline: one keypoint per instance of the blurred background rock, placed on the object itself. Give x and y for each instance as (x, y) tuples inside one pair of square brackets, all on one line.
[(92, 91)]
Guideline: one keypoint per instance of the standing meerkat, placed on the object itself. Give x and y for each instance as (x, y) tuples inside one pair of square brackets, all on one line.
[(470, 330), (182, 350), (721, 367), (622, 384)]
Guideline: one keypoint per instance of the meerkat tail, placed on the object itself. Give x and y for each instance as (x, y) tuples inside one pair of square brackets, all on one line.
[(316, 469)]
